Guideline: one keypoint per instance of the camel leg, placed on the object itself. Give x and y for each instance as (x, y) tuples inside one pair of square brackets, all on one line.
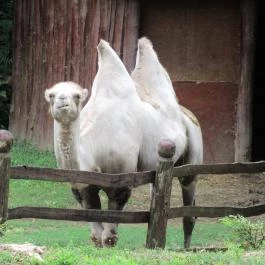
[(117, 199), (89, 198), (188, 185)]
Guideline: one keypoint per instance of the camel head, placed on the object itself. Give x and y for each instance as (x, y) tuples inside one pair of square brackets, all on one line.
[(65, 99)]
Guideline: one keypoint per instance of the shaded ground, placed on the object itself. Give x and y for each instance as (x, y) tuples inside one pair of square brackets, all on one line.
[(212, 190)]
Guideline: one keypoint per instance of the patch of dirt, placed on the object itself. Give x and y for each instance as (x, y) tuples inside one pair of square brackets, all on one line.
[(231, 190), (212, 190)]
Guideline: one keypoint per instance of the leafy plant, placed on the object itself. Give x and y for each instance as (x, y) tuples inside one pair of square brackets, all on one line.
[(248, 235), (5, 37), (3, 228), (5, 98), (5, 60)]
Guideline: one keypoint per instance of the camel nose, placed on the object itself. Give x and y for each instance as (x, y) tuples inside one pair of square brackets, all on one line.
[(62, 101), (62, 97)]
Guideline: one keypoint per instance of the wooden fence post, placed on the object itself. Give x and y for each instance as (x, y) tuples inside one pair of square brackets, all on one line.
[(160, 202), (6, 141)]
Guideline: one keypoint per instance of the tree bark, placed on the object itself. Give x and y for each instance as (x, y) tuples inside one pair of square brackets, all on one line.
[(55, 40)]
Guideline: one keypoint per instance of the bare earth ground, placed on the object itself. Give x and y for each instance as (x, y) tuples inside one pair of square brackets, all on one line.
[(212, 190)]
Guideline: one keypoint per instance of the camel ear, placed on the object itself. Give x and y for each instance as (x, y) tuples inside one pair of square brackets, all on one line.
[(47, 95), (84, 94)]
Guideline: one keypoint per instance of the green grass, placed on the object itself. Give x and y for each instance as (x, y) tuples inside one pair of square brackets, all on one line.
[(67, 243), (24, 153), (87, 255), (91, 256), (58, 233), (37, 193)]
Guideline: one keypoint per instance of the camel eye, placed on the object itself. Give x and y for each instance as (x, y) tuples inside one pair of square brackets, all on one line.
[(77, 97)]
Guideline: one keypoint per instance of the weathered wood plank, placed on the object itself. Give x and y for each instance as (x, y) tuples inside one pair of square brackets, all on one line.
[(90, 215), (244, 101), (213, 212), (4, 168), (105, 180), (160, 202), (233, 168), (6, 140), (131, 179)]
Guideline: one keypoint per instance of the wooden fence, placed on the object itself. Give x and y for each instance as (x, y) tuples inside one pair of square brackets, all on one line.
[(160, 210)]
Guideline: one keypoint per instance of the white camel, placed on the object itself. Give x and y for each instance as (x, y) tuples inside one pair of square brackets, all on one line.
[(103, 141), (155, 87), (118, 133)]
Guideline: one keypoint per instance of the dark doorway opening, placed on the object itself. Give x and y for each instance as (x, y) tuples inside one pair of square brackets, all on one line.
[(258, 114)]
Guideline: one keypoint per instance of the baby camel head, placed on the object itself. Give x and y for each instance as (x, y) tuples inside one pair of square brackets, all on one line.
[(65, 101)]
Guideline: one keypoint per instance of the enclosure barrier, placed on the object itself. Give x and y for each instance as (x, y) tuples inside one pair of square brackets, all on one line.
[(160, 210)]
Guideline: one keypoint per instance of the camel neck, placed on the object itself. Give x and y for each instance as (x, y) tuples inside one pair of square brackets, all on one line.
[(66, 142)]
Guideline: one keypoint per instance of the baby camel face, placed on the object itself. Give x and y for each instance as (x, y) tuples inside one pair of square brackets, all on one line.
[(65, 101)]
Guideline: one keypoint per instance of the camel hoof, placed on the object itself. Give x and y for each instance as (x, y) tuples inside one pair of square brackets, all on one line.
[(110, 241), (97, 242)]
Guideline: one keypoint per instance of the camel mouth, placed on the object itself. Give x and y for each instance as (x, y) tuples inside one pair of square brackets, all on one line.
[(62, 107)]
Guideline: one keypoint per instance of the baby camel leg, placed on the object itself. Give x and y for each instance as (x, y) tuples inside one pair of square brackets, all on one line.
[(117, 199), (89, 198)]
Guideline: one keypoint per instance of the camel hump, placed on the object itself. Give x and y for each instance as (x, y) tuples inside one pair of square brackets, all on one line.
[(151, 78), (112, 79), (144, 42), (146, 56)]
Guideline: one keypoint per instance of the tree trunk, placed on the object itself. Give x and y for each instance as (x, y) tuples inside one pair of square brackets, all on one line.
[(55, 40)]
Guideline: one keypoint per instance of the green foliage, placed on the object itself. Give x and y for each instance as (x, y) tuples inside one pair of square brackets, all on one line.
[(5, 99), (247, 234), (5, 60), (7, 258), (5, 38), (3, 228)]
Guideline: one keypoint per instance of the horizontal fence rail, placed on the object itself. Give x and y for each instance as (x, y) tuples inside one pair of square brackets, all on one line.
[(134, 179), (212, 212), (79, 215), (232, 168)]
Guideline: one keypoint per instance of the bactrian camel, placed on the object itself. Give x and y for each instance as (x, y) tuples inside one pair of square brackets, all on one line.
[(155, 87), (117, 131)]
